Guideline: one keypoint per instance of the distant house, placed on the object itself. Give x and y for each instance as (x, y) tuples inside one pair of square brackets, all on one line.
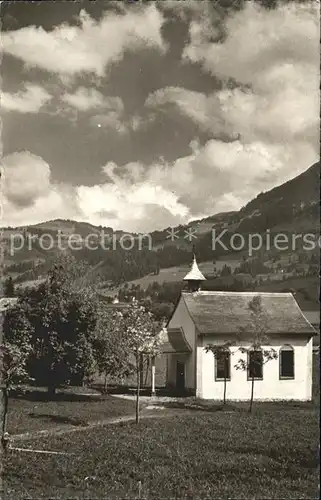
[(245, 278), (209, 317), (7, 303)]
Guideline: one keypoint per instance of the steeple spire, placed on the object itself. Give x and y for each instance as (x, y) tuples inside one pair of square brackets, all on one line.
[(194, 277)]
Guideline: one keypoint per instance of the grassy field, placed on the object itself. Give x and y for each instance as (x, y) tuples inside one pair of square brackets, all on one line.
[(176, 274), (33, 412), (195, 450), (272, 453)]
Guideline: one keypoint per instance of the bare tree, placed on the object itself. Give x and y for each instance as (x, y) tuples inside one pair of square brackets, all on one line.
[(257, 354), (222, 352)]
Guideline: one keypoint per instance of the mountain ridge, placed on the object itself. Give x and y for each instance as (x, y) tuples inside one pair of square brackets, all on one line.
[(291, 206), (300, 189)]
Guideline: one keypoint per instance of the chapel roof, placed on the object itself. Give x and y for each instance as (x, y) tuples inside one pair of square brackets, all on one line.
[(228, 312), (173, 340)]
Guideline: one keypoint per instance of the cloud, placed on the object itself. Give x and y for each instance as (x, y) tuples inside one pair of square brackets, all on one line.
[(115, 118), (28, 192), (212, 178), (275, 96), (112, 117), (89, 48), (26, 178), (267, 107), (132, 199), (287, 33), (85, 99), (202, 109), (136, 197), (270, 112), (29, 100), (273, 58)]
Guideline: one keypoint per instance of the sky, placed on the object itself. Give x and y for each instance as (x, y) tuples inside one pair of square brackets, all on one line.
[(145, 115)]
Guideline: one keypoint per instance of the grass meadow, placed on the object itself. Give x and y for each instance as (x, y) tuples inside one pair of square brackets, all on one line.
[(188, 449), (271, 453)]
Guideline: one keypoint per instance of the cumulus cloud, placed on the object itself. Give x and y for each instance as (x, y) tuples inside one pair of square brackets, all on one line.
[(212, 178), (270, 114), (29, 100), (85, 99), (288, 33), (205, 110), (89, 48), (274, 55), (137, 198), (132, 198), (275, 96), (28, 192), (26, 178)]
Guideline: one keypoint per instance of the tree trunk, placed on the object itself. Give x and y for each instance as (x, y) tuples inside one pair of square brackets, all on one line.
[(153, 376), (147, 370), (51, 390), (141, 368), (138, 373), (225, 372), (224, 395), (4, 441), (4, 414), (252, 394), (105, 383)]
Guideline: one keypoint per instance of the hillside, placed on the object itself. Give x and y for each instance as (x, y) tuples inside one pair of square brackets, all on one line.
[(291, 207), (287, 206)]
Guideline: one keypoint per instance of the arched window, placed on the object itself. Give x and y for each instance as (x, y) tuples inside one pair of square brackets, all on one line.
[(286, 358), (223, 365)]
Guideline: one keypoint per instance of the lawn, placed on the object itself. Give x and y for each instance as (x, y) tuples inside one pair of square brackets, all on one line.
[(33, 412), (272, 453)]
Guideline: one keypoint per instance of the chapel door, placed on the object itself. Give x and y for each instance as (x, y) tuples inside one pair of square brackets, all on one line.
[(180, 376)]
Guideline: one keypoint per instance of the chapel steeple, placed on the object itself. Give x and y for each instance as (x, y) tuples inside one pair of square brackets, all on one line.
[(194, 278)]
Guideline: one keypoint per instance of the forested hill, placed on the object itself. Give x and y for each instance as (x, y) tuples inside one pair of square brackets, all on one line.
[(292, 206)]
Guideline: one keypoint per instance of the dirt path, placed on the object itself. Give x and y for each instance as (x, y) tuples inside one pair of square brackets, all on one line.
[(145, 414)]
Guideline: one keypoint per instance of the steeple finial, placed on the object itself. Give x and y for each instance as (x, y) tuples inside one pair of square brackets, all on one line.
[(194, 277)]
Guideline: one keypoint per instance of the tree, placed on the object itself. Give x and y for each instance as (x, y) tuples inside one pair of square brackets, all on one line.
[(142, 331), (226, 270), (255, 356), (9, 290), (15, 352), (63, 320), (222, 352), (110, 346)]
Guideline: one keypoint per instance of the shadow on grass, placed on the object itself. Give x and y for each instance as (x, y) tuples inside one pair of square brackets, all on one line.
[(144, 391), (43, 396), (197, 407), (59, 419)]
